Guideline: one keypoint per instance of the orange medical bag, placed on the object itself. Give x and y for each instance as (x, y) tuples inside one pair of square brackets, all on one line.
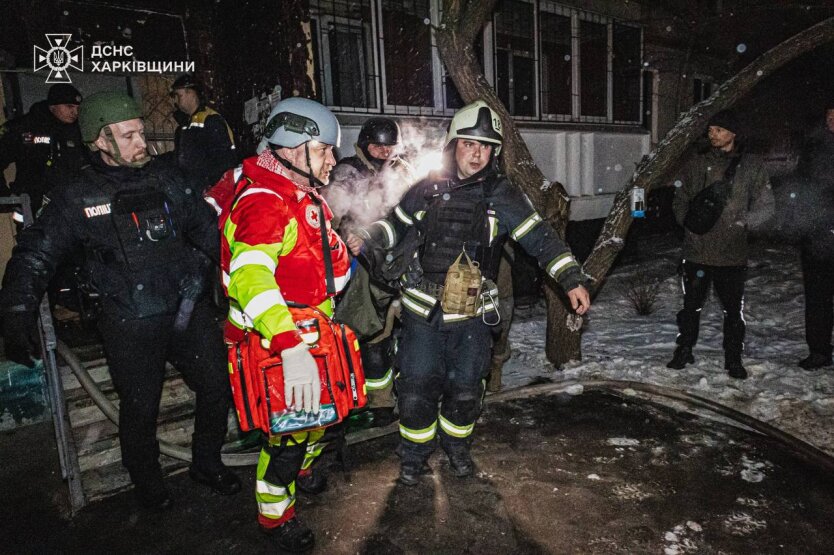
[(257, 376)]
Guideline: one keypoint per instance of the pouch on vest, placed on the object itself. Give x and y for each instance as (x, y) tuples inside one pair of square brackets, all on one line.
[(257, 377), (462, 289)]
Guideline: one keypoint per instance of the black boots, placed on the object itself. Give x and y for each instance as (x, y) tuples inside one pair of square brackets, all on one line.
[(292, 536), (312, 481), (461, 463), (222, 480), (682, 357), (814, 361), (732, 363), (410, 473)]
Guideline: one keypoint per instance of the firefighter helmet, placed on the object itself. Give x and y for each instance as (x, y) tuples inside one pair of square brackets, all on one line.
[(476, 121)]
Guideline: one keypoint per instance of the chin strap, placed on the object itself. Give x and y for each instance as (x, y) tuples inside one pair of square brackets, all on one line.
[(314, 181), (117, 154)]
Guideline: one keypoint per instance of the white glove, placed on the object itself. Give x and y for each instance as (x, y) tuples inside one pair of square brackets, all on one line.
[(302, 386)]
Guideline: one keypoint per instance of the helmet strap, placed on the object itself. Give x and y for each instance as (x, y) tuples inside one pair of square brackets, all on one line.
[(117, 154), (314, 181)]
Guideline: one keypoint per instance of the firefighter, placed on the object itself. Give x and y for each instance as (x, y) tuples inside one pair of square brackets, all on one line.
[(204, 144), (363, 189), (462, 215), (140, 229), (45, 145), (272, 253)]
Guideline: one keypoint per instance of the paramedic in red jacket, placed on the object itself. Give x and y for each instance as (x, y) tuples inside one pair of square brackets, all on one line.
[(272, 254)]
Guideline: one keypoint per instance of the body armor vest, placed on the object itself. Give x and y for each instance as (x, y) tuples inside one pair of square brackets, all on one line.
[(456, 221)]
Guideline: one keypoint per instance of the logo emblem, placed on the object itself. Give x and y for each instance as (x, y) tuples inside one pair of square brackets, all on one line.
[(59, 58), (311, 214)]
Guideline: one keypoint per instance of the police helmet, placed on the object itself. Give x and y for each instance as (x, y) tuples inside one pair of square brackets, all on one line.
[(295, 121), (380, 131), (476, 121), (103, 108)]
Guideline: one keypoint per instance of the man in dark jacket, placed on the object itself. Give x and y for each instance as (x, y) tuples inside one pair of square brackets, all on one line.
[(140, 228), (45, 145), (470, 209), (816, 166), (363, 189), (718, 256), (203, 142)]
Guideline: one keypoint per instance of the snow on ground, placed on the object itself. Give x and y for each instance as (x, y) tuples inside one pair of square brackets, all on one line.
[(619, 344)]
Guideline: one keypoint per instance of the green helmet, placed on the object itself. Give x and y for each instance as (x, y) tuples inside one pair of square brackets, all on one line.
[(476, 121), (104, 108)]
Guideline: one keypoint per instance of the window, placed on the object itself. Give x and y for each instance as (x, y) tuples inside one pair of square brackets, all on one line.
[(409, 75), (593, 67), (343, 37), (557, 64), (515, 63), (626, 73), (701, 90)]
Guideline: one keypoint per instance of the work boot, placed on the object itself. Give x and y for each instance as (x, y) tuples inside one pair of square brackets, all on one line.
[(222, 480), (732, 363), (312, 481), (814, 361), (461, 462), (410, 473), (682, 357), (292, 536)]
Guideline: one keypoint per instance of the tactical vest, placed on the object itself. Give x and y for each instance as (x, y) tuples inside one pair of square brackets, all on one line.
[(457, 219)]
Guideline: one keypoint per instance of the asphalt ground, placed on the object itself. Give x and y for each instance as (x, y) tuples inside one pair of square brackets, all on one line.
[(556, 474)]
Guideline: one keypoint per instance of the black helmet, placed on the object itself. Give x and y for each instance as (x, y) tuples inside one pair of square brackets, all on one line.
[(380, 131)]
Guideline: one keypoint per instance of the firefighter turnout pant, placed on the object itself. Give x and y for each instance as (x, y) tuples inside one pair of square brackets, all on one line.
[(136, 353), (378, 364), (728, 282), (280, 461), (818, 279), (440, 364)]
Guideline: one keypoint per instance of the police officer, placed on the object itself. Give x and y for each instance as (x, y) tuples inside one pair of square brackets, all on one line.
[(140, 228), (45, 145), (364, 188), (444, 356), (204, 144)]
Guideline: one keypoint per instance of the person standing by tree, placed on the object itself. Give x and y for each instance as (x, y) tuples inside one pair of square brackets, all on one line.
[(459, 217), (816, 165), (723, 193)]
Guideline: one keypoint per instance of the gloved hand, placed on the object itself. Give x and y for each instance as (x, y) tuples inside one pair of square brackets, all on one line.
[(302, 386), (20, 333)]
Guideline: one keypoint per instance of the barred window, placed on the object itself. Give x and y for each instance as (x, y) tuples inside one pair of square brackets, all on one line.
[(515, 63), (593, 67), (626, 73), (409, 79), (557, 63), (342, 33)]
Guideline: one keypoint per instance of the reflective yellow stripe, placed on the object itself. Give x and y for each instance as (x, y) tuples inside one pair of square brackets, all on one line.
[(532, 221), (403, 216), (414, 307), (559, 264), (247, 258), (381, 383), (455, 430), (419, 436), (262, 302)]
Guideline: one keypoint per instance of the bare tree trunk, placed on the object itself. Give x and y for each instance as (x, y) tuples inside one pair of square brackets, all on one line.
[(665, 155), (455, 37), (463, 20)]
